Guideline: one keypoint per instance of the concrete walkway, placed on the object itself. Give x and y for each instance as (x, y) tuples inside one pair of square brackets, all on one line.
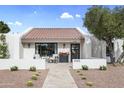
[(59, 76)]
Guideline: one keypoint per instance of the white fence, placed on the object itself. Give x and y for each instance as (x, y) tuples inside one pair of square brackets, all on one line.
[(22, 63), (91, 63)]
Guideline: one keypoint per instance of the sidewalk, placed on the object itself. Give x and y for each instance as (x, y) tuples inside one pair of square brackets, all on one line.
[(59, 76)]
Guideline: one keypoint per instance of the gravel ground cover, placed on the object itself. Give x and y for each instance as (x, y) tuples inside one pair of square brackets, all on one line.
[(18, 79), (113, 77)]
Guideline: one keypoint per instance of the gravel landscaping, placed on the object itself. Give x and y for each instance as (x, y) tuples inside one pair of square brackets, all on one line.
[(19, 79), (113, 77)]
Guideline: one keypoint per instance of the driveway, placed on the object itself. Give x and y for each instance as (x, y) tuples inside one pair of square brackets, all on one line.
[(59, 76)]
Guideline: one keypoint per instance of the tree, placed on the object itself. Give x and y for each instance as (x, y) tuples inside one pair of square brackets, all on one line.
[(106, 24), (3, 46), (123, 47), (4, 27)]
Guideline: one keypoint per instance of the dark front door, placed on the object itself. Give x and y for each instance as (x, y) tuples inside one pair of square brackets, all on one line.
[(75, 51)]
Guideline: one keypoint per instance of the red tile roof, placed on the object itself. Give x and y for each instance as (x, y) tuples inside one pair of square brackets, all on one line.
[(52, 33)]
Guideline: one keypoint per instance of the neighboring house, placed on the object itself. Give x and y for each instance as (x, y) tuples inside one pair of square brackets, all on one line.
[(68, 43)]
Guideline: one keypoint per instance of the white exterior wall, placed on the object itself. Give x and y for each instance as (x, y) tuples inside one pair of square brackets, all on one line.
[(98, 48), (22, 63), (13, 42), (92, 47), (87, 48), (118, 48), (28, 53), (91, 63)]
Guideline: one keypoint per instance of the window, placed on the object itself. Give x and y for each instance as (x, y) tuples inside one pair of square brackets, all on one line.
[(46, 49)]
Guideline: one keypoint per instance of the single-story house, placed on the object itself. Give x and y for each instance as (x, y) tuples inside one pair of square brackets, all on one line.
[(68, 43)]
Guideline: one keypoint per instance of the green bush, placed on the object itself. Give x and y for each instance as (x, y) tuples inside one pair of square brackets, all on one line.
[(14, 68), (32, 68), (103, 68), (34, 77), (84, 67), (30, 83)]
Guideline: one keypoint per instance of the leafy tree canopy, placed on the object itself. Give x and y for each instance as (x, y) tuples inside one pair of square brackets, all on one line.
[(106, 24), (4, 27)]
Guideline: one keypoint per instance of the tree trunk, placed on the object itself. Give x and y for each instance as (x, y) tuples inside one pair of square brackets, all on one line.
[(120, 58), (111, 51)]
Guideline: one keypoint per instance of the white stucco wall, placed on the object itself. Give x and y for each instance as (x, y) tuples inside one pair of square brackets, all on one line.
[(28, 52), (94, 63), (13, 45), (118, 48), (98, 48), (92, 47), (87, 47), (22, 63)]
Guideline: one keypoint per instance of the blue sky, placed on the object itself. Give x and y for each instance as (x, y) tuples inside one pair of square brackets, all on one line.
[(19, 18)]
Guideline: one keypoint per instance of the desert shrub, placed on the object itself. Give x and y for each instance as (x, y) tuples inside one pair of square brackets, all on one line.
[(30, 83), (84, 67), (37, 74), (81, 74), (14, 68), (103, 68), (83, 78), (34, 77), (32, 68), (78, 71), (90, 84)]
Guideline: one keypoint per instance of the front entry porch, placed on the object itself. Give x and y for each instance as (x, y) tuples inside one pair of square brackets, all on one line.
[(61, 52)]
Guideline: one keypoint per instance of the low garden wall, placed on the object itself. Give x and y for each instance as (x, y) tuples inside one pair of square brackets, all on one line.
[(22, 63), (91, 63)]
